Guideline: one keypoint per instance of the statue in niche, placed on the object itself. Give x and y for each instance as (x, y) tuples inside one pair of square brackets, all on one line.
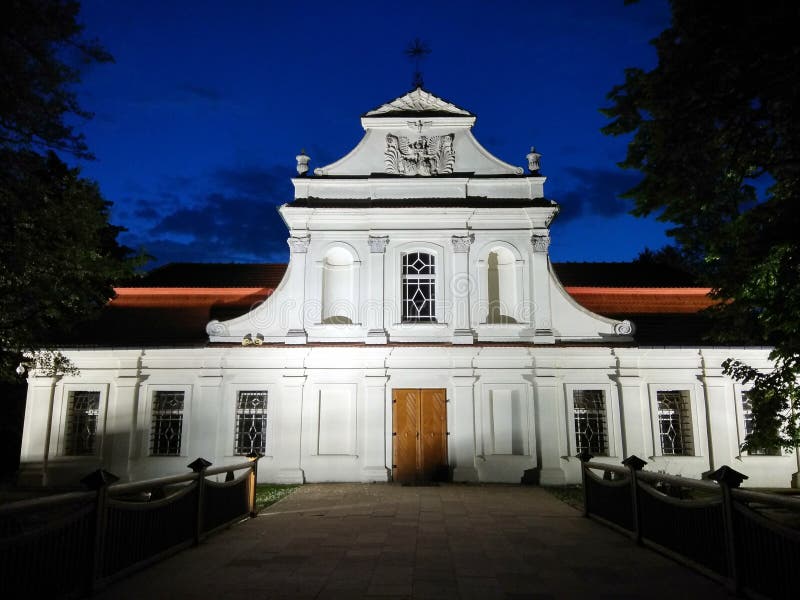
[(424, 156)]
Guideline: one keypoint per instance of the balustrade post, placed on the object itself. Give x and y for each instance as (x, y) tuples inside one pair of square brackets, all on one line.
[(585, 456), (254, 457), (728, 479), (635, 464), (98, 481), (199, 466)]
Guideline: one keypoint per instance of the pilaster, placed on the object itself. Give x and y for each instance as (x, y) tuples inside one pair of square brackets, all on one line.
[(635, 411), (540, 294), (298, 248), (36, 435), (376, 330), (119, 444), (206, 404), (721, 412), (374, 429), (460, 290), (551, 470), (463, 423), (289, 430)]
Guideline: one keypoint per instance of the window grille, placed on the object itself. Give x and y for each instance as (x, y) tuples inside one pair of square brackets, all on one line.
[(747, 416), (590, 421), (251, 423), (82, 414), (165, 434), (419, 287), (675, 423)]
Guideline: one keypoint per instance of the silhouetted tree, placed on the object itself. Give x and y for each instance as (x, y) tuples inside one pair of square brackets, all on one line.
[(716, 134), (59, 256)]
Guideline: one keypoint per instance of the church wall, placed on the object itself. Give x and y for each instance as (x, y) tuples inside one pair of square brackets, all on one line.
[(329, 410)]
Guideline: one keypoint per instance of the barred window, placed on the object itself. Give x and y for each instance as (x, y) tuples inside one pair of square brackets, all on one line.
[(747, 416), (251, 423), (590, 421), (82, 414), (419, 287), (165, 434), (675, 423)]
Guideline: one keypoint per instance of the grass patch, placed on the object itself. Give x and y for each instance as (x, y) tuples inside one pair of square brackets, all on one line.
[(569, 494), (270, 493)]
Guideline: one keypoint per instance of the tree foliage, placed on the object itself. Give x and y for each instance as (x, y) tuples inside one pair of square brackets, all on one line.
[(59, 256), (42, 52), (716, 134)]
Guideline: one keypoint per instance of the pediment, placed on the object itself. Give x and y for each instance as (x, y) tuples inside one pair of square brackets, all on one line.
[(420, 103)]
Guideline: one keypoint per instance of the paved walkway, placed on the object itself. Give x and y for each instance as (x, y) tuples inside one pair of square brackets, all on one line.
[(384, 540)]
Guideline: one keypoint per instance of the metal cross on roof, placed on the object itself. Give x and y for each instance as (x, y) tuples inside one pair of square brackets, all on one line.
[(417, 51)]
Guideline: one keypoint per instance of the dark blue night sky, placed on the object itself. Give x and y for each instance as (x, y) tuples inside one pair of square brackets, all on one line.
[(198, 122)]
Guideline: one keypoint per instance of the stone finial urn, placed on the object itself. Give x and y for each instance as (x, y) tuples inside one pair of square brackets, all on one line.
[(302, 162)]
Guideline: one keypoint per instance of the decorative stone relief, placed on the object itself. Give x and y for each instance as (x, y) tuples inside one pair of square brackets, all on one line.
[(216, 328), (461, 243), (540, 243), (624, 328), (377, 243), (419, 124), (424, 156), (299, 245)]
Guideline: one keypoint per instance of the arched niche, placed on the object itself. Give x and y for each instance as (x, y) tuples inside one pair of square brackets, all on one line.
[(501, 293), (338, 287)]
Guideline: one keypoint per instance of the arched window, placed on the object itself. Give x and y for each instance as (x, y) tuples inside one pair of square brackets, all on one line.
[(502, 286), (338, 304), (419, 287)]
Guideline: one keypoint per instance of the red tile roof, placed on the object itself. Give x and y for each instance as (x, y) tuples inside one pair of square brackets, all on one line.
[(641, 300), (171, 305)]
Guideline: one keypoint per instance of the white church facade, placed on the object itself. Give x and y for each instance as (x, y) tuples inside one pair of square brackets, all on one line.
[(419, 332)]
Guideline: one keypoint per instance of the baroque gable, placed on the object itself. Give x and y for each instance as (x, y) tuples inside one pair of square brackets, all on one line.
[(460, 255)]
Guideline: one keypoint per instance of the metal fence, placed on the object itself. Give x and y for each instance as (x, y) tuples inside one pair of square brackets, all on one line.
[(712, 525), (67, 545)]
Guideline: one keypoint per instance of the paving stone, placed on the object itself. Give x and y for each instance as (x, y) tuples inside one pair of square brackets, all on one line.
[(385, 541)]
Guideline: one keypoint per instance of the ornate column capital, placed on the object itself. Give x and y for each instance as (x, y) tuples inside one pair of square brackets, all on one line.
[(541, 242), (299, 245), (378, 243), (461, 243)]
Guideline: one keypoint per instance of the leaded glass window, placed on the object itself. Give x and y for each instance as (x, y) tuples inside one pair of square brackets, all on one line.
[(747, 416), (165, 434), (419, 287), (83, 411), (675, 423), (251, 423), (590, 421)]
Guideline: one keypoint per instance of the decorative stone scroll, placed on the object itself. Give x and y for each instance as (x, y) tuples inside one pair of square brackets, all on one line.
[(540, 243), (624, 328), (461, 243), (377, 243), (424, 156), (299, 245), (216, 328)]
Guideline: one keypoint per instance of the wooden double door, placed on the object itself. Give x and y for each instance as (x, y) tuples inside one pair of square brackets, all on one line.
[(419, 434)]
